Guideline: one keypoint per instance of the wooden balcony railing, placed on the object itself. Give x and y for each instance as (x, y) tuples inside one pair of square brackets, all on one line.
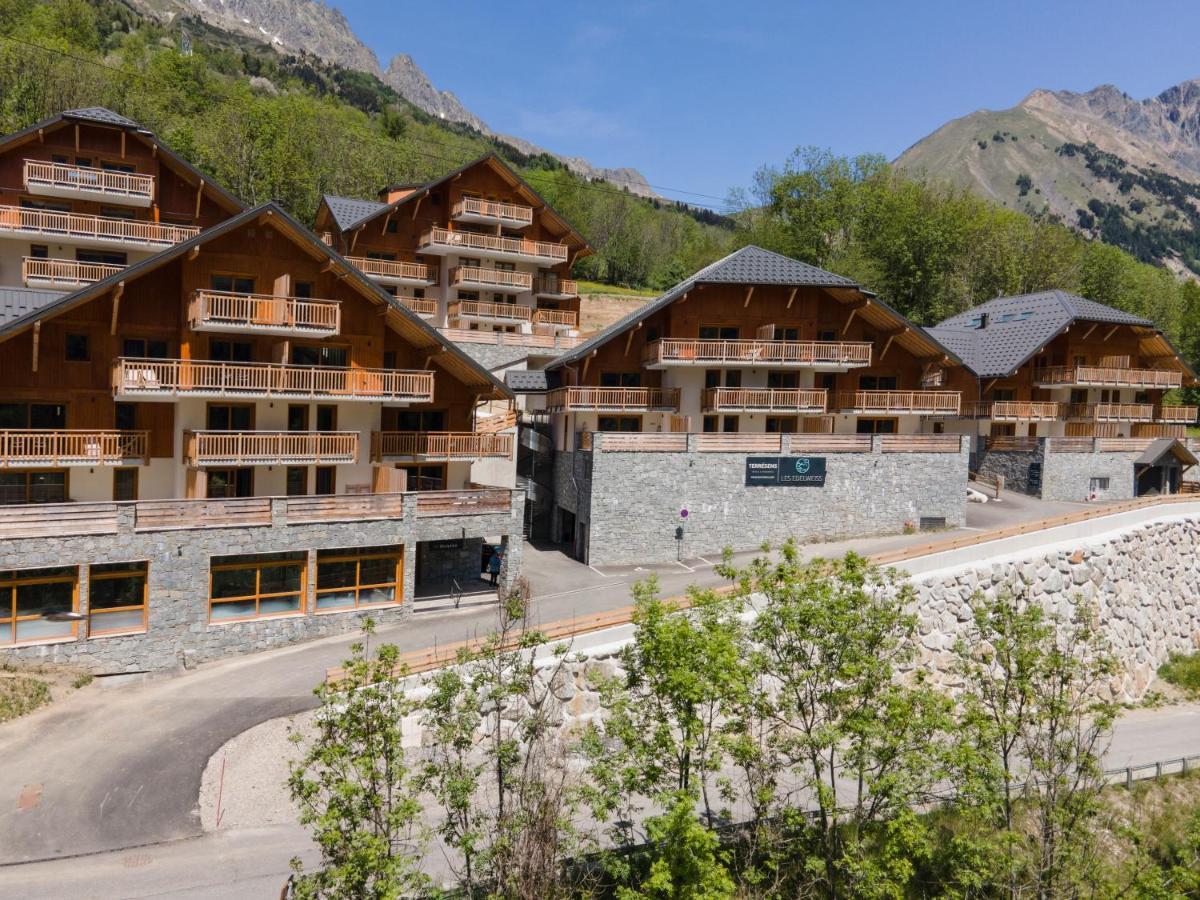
[(1107, 376), (29, 447), (499, 278), (914, 402), (64, 271), (673, 351), (440, 445), (475, 309), (393, 268), (221, 310), (566, 317), (554, 286), (431, 504), (470, 240), (1184, 414), (1111, 412), (622, 398), (96, 229), (419, 305), (184, 377), (496, 423), (1014, 410), (490, 209), (264, 448), (103, 182), (764, 399)]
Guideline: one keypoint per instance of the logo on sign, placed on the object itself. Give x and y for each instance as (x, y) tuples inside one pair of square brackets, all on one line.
[(802, 465)]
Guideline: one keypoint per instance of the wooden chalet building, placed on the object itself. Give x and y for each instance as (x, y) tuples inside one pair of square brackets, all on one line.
[(1054, 364), (477, 253)]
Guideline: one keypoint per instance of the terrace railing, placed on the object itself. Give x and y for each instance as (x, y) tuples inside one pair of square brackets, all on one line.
[(203, 448), (509, 212), (393, 268), (102, 229), (35, 270), (470, 240), (814, 353), (103, 182), (81, 447), (782, 399), (615, 398), (917, 402), (440, 445), (1107, 376), (223, 309), (502, 278), (480, 310)]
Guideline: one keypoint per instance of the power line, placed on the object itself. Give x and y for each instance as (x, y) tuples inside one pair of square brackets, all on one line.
[(583, 184)]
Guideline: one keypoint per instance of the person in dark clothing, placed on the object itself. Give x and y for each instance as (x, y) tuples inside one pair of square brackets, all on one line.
[(494, 567)]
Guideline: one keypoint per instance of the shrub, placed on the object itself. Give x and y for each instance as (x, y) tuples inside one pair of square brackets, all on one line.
[(20, 694), (1182, 670)]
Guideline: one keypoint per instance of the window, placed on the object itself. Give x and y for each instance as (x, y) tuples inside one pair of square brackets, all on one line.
[(44, 416), (297, 481), (47, 205), (230, 417), (619, 423), (99, 256), (117, 167), (297, 417), (236, 284), (389, 359), (117, 212), (117, 598), (789, 380), (414, 420), (711, 424), (652, 334), (303, 290), (733, 378), (787, 334), (877, 383), (826, 335), (28, 595), (125, 484), (393, 226), (225, 483), (827, 381), (362, 576), (781, 425), (326, 480), (326, 418), (33, 487), (230, 351), (144, 348), (1079, 395), (314, 355), (730, 425), (77, 348), (712, 378), (1003, 395), (875, 426), (1095, 485), (620, 379), (257, 585), (39, 251), (125, 416), (425, 478), (719, 332), (375, 254)]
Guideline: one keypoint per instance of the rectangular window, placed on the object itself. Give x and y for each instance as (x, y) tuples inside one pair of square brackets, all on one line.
[(256, 586), (117, 598), (362, 576), (389, 359), (1097, 484), (77, 348), (33, 487), (314, 355), (125, 484), (41, 416), (414, 419), (877, 383), (1003, 395), (620, 379), (297, 417), (619, 423), (730, 425), (297, 481), (99, 256), (231, 351), (827, 380), (712, 378), (710, 424), (125, 417), (719, 332), (781, 425), (787, 380), (144, 348), (303, 290), (826, 335), (235, 284), (733, 378), (39, 251), (430, 477), (28, 596), (326, 481), (375, 254), (230, 417), (326, 418), (787, 334), (117, 212), (225, 483), (875, 426)]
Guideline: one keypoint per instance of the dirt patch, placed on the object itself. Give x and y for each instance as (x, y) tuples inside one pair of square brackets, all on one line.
[(24, 688), (598, 311)]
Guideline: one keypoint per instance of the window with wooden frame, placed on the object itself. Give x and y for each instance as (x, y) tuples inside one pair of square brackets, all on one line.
[(230, 351), (257, 585), (27, 596), (619, 423), (231, 282), (787, 333), (125, 484), (324, 355), (326, 480), (414, 419), (620, 379), (227, 483), (117, 598), (297, 417), (782, 425), (145, 348), (784, 380), (729, 424), (33, 487), (877, 382), (102, 257), (875, 426), (711, 423), (358, 577), (425, 477), (297, 481), (326, 418), (77, 348), (719, 332), (230, 417), (40, 416)]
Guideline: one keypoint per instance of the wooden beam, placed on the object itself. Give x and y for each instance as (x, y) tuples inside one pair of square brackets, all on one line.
[(991, 384), (116, 306), (888, 344), (587, 362), (328, 267), (154, 150), (386, 219), (37, 339), (1111, 332), (417, 206), (354, 238), (193, 253), (850, 318), (122, 145), (199, 196), (41, 135), (683, 299), (749, 294), (1087, 334), (791, 297), (629, 340), (77, 138)]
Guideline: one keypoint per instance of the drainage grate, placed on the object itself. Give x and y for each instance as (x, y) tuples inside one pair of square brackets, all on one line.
[(932, 523)]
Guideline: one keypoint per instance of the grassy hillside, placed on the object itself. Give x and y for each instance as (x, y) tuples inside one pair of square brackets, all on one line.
[(286, 128)]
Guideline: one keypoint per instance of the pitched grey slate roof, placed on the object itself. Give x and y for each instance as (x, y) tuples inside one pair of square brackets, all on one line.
[(103, 116), (347, 212), (1018, 327), (527, 381), (16, 302), (750, 265), (1160, 448)]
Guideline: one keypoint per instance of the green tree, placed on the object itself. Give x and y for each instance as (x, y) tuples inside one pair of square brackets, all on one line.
[(686, 860), (354, 787)]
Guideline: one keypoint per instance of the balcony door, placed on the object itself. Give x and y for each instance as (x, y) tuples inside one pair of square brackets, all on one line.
[(37, 416), (229, 483)]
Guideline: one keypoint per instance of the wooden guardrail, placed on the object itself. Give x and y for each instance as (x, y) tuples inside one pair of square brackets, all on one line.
[(567, 317), (830, 443), (393, 268), (225, 309), (612, 398), (35, 270), (269, 447), (741, 442), (105, 182), (478, 275), (83, 447), (155, 515), (757, 352), (1107, 375), (462, 503), (1013, 410), (1070, 445), (549, 341), (1011, 444), (647, 442), (441, 444), (552, 285), (920, 443), (420, 305), (491, 209), (106, 228), (344, 507), (917, 402), (771, 399), (444, 237), (57, 519)]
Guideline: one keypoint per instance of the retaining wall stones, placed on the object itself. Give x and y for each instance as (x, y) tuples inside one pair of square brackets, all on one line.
[(1068, 476)]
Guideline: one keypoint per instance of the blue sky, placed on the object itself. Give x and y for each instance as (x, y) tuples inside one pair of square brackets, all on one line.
[(698, 95)]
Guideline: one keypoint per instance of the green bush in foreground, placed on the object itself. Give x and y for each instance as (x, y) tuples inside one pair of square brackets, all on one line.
[(1182, 670)]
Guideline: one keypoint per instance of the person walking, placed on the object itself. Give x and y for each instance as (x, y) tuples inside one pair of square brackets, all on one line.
[(494, 566)]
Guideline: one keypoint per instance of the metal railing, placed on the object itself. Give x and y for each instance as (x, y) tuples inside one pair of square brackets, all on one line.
[(104, 182), (470, 240), (224, 309)]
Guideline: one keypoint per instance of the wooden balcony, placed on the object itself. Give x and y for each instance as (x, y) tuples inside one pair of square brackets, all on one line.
[(51, 179), (32, 448), (937, 403), (263, 314), (556, 319), (167, 379), (500, 280), (604, 399), (823, 355), (1111, 412), (394, 271), (494, 313), (269, 448), (1014, 410), (441, 241), (91, 231), (764, 400), (554, 288), (489, 212), (63, 273), (426, 309), (439, 445), (1105, 376), (1185, 415)]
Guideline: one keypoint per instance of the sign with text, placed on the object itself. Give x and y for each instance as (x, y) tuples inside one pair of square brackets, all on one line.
[(788, 471)]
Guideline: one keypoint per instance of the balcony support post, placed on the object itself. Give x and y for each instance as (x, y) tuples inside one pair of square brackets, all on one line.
[(791, 297), (749, 294), (37, 339), (199, 197), (120, 289), (629, 340)]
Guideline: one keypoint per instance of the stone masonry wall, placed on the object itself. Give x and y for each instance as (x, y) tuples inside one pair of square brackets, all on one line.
[(1067, 476), (1012, 465), (636, 498), (178, 631)]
